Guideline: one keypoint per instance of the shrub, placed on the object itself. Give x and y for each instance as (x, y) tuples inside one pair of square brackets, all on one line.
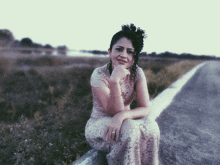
[(4, 64)]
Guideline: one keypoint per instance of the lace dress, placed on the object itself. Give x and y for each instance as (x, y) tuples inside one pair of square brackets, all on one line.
[(138, 142)]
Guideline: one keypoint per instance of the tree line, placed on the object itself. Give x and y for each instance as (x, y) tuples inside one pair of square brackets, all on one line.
[(180, 56), (7, 41), (160, 55)]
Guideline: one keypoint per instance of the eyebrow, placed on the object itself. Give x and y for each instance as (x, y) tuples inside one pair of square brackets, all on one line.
[(127, 48)]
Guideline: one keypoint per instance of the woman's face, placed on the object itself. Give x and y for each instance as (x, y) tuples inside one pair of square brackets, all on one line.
[(122, 52)]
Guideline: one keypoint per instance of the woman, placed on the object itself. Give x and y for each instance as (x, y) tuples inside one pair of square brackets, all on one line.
[(128, 136)]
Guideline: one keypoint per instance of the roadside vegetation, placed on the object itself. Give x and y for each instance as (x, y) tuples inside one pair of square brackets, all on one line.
[(45, 102)]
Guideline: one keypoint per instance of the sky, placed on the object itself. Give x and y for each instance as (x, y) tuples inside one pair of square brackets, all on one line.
[(178, 26)]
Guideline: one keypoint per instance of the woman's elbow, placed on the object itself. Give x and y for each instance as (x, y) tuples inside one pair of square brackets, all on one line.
[(148, 110), (111, 111)]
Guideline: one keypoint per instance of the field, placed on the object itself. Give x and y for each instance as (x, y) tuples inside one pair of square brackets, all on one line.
[(45, 102)]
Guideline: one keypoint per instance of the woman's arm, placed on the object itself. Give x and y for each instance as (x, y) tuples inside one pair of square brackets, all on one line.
[(110, 98), (143, 109), (116, 103)]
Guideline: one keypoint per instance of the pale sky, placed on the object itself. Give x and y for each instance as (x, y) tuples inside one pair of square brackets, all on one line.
[(178, 26)]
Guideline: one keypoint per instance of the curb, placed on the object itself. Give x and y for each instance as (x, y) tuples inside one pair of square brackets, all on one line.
[(164, 99)]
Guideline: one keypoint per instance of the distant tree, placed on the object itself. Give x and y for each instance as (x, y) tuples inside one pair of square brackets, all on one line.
[(48, 46), (6, 37), (168, 55), (27, 43), (98, 52), (62, 50), (143, 54), (95, 52), (188, 56), (153, 54)]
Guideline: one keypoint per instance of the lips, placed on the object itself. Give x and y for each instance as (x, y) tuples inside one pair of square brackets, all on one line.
[(122, 61)]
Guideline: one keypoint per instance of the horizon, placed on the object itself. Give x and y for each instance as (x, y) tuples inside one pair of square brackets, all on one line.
[(177, 27)]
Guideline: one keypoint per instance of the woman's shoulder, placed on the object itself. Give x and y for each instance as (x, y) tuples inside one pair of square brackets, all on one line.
[(139, 74), (139, 69), (101, 71), (100, 76)]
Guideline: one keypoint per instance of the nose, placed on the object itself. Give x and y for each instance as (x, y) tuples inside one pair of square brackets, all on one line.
[(124, 53)]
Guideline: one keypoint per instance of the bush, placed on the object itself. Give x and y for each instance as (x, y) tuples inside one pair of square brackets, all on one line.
[(6, 37), (4, 64), (22, 92)]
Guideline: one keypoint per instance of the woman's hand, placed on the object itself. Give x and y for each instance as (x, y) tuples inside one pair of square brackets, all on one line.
[(119, 72), (112, 130)]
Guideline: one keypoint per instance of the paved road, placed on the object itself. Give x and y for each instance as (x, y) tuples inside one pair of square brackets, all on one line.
[(190, 125)]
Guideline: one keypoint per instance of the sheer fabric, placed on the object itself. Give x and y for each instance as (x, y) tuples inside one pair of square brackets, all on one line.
[(138, 142)]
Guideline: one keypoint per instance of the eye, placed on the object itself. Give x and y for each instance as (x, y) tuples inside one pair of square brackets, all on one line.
[(131, 52), (119, 49)]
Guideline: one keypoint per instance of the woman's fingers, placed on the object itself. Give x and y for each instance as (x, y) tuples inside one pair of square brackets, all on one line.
[(127, 72), (120, 71), (111, 134), (124, 71), (116, 64), (105, 133), (117, 134)]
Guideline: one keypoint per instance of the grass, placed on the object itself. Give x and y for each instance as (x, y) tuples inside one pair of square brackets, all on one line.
[(45, 102), (159, 80)]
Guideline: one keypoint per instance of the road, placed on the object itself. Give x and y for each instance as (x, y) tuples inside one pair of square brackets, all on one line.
[(190, 125)]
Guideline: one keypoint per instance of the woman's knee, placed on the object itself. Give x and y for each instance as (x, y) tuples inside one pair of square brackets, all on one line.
[(95, 129), (130, 129), (151, 128)]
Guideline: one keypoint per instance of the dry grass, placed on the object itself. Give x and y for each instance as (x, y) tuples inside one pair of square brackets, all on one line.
[(158, 81), (45, 102)]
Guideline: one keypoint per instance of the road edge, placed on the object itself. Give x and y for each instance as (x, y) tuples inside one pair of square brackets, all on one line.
[(164, 99)]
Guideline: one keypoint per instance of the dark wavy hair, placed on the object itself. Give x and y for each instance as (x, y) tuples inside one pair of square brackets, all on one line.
[(136, 35)]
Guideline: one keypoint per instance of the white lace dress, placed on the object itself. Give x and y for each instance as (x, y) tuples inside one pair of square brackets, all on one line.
[(138, 143)]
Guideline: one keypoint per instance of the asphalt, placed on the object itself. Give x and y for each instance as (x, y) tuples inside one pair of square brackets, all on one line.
[(190, 124)]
